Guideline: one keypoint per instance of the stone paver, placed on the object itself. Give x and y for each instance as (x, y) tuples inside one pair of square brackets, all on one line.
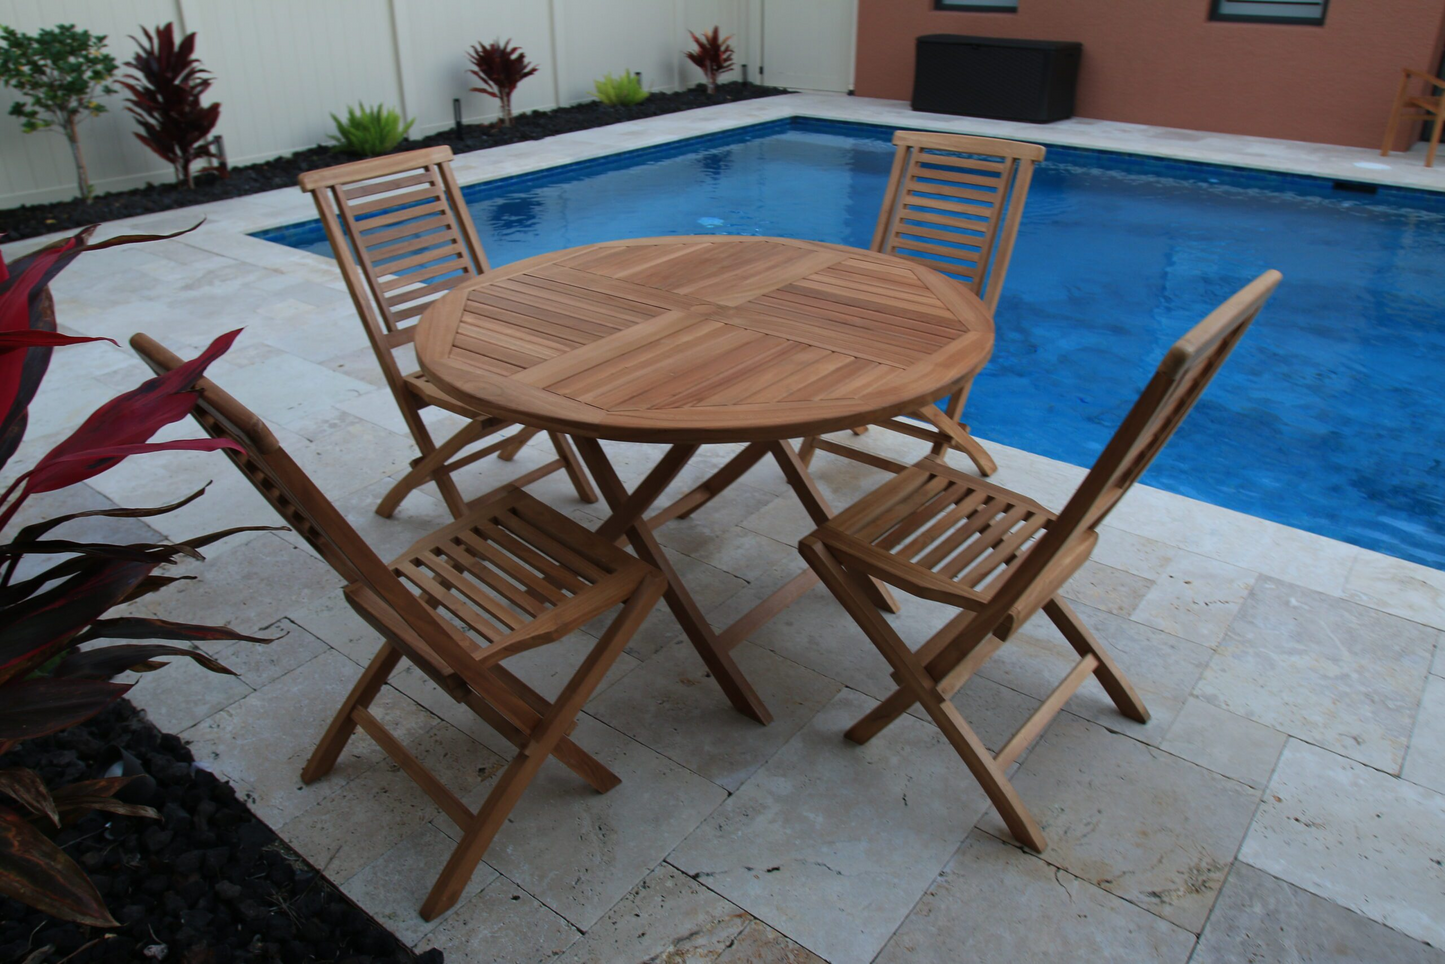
[(501, 925), (833, 843), (1425, 762), (1261, 918), (1146, 826), (1332, 672), (392, 887), (996, 902), (1195, 598), (1356, 836), (1217, 739)]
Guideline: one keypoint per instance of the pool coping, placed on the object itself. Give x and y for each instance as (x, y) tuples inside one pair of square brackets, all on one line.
[(1398, 586)]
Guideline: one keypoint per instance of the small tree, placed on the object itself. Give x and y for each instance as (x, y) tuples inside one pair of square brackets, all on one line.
[(500, 67), (58, 73), (712, 54), (165, 97)]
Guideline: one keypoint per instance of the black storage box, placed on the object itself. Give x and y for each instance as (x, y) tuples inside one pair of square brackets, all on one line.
[(1025, 80)]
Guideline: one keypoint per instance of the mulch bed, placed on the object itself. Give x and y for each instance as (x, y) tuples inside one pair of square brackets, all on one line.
[(208, 883), (36, 219)]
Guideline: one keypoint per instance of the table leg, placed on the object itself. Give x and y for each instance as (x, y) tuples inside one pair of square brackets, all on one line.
[(807, 492), (713, 486), (628, 518)]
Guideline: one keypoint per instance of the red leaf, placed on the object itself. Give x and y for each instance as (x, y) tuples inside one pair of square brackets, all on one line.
[(124, 421), (107, 662), (38, 628), (36, 872), (27, 789), (11, 340), (35, 707)]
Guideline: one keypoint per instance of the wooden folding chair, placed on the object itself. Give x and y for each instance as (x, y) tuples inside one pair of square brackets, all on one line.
[(953, 203), (403, 238), (1426, 107), (999, 557), (511, 571)]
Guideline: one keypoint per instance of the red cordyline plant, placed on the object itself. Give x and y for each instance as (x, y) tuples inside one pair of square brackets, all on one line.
[(165, 97), (713, 55), (51, 677), (500, 67)]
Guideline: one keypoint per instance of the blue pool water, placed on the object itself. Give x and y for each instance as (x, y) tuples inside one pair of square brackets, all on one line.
[(1329, 415)]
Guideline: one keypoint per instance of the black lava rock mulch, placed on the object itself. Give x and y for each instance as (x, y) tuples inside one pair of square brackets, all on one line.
[(36, 219), (208, 883)]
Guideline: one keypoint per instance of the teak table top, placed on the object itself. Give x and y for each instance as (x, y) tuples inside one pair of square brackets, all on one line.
[(704, 339)]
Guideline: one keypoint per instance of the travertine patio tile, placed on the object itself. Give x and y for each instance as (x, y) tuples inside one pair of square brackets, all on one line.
[(672, 704), (1163, 669), (1398, 587), (260, 743), (331, 620), (183, 694), (1146, 826), (288, 389), (1262, 918), (418, 515), (1225, 743), (996, 902), (579, 851), (392, 887), (502, 925), (1437, 667), (1332, 672), (352, 827), (832, 843), (45, 506), (1195, 598), (760, 944), (1359, 837), (1133, 553), (1106, 588), (1425, 760), (246, 588), (261, 663), (667, 917)]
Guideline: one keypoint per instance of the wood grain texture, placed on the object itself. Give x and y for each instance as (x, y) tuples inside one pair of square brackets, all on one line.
[(704, 339)]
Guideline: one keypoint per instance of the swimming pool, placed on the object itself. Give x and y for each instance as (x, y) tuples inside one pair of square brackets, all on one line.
[(1327, 418)]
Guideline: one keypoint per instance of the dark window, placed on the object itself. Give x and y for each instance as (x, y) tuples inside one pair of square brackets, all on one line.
[(978, 6), (1269, 11)]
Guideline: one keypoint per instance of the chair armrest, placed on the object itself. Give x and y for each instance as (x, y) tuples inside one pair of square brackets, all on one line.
[(1421, 75)]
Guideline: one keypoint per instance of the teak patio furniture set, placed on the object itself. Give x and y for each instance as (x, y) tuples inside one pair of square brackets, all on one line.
[(685, 342)]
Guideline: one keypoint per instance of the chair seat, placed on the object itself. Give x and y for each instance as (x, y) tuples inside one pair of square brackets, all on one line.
[(512, 571), (939, 533)]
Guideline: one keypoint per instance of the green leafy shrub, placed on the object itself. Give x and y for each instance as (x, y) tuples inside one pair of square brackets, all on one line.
[(370, 131), (58, 73), (621, 91)]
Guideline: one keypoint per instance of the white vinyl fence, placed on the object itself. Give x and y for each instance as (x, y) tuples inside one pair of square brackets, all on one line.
[(282, 67)]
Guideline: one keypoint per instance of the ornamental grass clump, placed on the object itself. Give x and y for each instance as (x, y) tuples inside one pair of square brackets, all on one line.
[(500, 67), (59, 74), (713, 55), (624, 91), (165, 98), (55, 593), (370, 131)]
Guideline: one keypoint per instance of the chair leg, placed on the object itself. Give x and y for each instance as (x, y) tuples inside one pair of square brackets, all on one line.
[(573, 466), (324, 757), (519, 773), (1435, 138), (432, 467), (847, 588), (1115, 683)]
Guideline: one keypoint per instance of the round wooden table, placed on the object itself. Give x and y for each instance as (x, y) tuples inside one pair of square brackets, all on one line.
[(695, 340)]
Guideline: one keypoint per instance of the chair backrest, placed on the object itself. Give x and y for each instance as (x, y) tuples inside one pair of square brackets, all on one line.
[(402, 237), (306, 510), (1177, 384), (954, 202)]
